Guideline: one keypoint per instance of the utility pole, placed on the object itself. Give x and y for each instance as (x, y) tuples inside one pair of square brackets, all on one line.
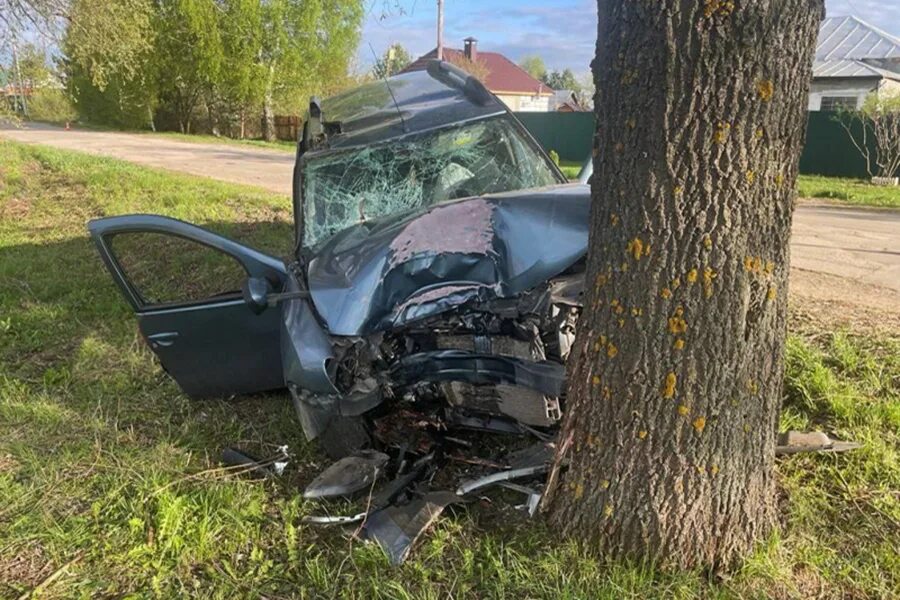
[(440, 30)]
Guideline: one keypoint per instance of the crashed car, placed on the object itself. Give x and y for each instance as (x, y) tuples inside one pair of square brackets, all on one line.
[(436, 276), (439, 252)]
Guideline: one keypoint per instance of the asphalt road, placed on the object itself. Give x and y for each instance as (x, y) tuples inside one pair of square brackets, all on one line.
[(859, 245)]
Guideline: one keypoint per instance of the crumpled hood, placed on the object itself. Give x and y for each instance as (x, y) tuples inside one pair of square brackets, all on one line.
[(381, 275)]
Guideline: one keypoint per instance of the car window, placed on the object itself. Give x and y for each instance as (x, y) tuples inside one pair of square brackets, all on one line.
[(358, 185), (167, 269)]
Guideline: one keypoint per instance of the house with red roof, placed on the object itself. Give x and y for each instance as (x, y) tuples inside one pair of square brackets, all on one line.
[(507, 80)]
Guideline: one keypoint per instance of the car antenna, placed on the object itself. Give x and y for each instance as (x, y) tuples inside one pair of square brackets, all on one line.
[(390, 91)]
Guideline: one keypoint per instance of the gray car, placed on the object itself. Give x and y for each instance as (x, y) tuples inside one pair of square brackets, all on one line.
[(437, 271)]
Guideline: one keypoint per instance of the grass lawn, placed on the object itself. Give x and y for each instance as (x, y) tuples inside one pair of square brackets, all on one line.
[(850, 191), (109, 479), (570, 168)]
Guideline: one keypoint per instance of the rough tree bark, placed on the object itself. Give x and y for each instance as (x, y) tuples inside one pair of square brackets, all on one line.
[(675, 382)]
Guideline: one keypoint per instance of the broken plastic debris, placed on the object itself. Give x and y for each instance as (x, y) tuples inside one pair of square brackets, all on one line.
[(347, 476), (473, 485), (532, 496), (333, 520), (396, 528), (794, 442)]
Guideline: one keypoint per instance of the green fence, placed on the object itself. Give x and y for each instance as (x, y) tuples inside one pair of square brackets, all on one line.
[(569, 134), (828, 149)]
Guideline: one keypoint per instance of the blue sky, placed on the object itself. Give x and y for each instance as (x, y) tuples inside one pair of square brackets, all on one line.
[(562, 32)]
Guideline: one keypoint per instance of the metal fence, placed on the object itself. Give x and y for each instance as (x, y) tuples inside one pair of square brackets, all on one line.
[(828, 150), (569, 134)]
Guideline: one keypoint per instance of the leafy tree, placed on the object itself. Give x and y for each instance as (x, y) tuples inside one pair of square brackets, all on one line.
[(110, 63), (130, 61), (394, 60), (564, 80), (534, 66), (306, 45), (240, 90), (188, 55), (676, 379)]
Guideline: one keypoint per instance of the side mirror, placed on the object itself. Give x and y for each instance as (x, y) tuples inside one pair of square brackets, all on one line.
[(256, 292)]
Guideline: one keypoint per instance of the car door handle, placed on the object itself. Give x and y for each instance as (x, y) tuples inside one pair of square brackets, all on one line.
[(162, 340)]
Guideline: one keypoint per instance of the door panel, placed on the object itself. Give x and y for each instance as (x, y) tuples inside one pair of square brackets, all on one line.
[(184, 285)]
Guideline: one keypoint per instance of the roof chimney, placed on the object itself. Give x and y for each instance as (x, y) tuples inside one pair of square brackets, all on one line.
[(471, 48)]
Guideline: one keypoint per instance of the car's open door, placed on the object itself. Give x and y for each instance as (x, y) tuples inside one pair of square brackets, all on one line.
[(184, 284)]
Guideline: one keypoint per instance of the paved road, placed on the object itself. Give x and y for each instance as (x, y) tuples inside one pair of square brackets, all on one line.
[(857, 244)]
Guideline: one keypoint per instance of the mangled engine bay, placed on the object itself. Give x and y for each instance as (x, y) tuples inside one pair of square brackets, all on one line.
[(437, 386)]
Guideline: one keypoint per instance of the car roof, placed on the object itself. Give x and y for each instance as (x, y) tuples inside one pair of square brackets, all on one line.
[(404, 104)]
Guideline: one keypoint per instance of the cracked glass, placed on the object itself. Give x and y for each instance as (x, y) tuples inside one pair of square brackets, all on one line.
[(363, 184)]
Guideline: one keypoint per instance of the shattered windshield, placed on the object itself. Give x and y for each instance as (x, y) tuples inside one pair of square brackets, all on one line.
[(362, 184)]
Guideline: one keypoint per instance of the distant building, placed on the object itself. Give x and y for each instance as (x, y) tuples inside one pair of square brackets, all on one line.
[(507, 80), (567, 101), (853, 58)]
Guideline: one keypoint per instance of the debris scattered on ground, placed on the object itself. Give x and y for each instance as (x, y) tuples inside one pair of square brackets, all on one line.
[(794, 442), (243, 462)]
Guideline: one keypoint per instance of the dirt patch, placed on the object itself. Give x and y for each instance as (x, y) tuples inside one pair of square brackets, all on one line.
[(8, 463), (15, 208), (22, 568), (817, 298)]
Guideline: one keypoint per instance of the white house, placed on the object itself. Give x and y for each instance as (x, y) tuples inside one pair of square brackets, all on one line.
[(852, 59)]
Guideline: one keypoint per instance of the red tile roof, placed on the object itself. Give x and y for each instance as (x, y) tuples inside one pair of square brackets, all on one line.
[(504, 76)]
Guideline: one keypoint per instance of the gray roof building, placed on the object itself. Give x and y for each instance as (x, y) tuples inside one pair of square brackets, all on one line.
[(853, 58)]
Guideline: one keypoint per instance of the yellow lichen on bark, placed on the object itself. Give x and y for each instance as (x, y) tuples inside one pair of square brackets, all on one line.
[(752, 264), (636, 248), (679, 344), (683, 410), (677, 324), (717, 8), (691, 276), (708, 275), (765, 89), (668, 390), (699, 424), (720, 136)]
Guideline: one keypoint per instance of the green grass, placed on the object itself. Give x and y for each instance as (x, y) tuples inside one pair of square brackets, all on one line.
[(570, 168), (109, 484), (849, 191)]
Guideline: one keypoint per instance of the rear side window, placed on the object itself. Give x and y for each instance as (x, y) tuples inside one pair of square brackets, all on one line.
[(167, 269)]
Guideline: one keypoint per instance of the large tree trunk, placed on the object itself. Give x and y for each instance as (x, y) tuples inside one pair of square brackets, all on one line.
[(676, 378)]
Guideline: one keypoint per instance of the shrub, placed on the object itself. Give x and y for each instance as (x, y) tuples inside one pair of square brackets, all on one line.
[(51, 105)]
